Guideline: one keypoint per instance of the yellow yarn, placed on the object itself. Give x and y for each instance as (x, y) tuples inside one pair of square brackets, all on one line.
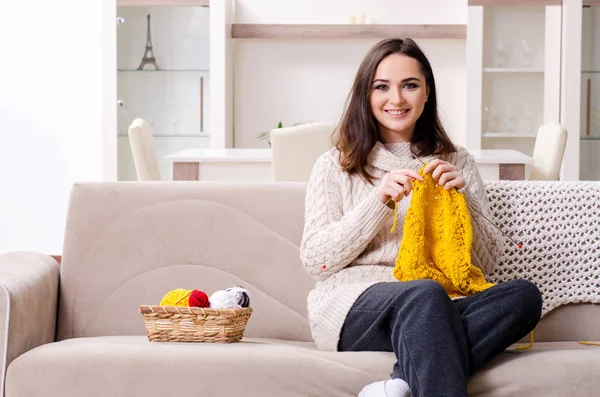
[(530, 345), (395, 218), (176, 297), (437, 239)]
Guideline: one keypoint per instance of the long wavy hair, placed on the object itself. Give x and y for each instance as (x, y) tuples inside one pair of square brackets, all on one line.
[(358, 130)]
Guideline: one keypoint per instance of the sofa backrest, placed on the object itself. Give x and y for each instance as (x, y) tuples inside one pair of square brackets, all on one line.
[(128, 243)]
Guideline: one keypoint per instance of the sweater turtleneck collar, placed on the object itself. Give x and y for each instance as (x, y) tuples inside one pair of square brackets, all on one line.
[(392, 156)]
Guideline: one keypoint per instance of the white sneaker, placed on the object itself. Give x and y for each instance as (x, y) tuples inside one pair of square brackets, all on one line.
[(386, 388), (375, 389)]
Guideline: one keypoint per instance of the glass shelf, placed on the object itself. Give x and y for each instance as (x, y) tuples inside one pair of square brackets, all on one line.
[(345, 31), (198, 135), (512, 70), (175, 36), (163, 3), (163, 71), (509, 135), (173, 102), (590, 71), (590, 138)]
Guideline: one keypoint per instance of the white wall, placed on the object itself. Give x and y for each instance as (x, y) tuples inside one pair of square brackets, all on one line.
[(297, 81), (338, 11), (52, 102)]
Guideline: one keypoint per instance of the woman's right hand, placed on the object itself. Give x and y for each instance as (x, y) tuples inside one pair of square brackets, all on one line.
[(396, 185)]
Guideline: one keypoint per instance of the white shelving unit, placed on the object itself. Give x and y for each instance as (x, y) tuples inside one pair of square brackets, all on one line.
[(174, 99), (552, 87), (513, 69), (589, 165)]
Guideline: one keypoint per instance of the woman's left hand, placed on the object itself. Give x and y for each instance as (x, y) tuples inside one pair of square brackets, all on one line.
[(445, 174)]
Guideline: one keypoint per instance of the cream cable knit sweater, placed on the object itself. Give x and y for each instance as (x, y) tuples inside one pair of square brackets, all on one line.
[(347, 245)]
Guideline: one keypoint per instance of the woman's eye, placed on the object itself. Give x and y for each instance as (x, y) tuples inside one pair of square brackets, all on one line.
[(410, 86), (381, 87)]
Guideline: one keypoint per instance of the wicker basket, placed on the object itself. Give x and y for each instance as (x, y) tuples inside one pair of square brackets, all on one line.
[(194, 324)]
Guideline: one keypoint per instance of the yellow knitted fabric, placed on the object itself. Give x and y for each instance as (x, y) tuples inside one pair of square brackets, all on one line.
[(437, 238)]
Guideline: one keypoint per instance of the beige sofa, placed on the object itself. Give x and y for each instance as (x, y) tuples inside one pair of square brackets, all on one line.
[(75, 330)]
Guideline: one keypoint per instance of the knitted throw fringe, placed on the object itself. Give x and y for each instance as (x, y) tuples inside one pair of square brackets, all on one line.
[(437, 240)]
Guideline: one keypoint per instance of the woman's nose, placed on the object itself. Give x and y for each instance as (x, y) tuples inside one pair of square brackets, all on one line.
[(396, 96)]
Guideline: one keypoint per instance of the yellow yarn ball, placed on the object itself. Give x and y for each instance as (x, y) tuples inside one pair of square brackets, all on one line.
[(176, 297)]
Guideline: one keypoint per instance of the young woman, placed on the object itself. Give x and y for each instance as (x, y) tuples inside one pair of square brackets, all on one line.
[(390, 127)]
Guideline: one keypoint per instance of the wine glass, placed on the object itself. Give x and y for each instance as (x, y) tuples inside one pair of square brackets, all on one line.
[(527, 54), (500, 55), (526, 120), (493, 119), (510, 115)]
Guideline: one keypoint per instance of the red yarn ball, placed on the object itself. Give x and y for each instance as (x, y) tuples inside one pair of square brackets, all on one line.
[(198, 299)]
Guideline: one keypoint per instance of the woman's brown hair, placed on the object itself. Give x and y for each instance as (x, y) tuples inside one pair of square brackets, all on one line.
[(358, 131)]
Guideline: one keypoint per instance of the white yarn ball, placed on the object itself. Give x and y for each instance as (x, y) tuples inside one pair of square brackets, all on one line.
[(242, 295), (223, 300)]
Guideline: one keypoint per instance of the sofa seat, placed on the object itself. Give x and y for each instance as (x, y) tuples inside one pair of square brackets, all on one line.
[(130, 365)]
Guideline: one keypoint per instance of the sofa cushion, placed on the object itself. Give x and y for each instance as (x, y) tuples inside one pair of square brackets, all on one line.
[(548, 369), (109, 366), (130, 365)]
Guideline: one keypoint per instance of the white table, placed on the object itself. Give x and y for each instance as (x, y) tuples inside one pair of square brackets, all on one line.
[(255, 164), (221, 164), (506, 164)]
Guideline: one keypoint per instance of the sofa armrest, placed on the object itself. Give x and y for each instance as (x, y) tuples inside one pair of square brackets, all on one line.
[(28, 303)]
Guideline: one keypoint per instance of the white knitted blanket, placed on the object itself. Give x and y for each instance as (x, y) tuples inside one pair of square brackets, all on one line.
[(559, 226)]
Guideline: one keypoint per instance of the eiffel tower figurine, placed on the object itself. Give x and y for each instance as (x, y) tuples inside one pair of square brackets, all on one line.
[(148, 58)]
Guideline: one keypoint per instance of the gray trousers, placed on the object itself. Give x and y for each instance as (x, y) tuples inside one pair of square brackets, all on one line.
[(439, 342)]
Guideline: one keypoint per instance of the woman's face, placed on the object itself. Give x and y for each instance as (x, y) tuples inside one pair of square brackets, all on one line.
[(398, 97)]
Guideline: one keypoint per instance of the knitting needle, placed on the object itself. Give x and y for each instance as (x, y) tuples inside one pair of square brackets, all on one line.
[(500, 230), (484, 217)]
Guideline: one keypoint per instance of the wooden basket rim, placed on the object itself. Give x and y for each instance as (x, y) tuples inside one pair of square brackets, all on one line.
[(147, 309)]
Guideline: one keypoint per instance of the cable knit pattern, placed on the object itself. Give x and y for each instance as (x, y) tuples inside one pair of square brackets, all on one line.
[(347, 245)]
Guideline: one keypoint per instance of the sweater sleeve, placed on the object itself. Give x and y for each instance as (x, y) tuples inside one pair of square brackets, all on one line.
[(488, 242), (331, 239)]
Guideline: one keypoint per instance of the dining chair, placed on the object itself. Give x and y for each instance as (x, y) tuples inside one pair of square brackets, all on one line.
[(144, 151), (296, 149), (548, 152)]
